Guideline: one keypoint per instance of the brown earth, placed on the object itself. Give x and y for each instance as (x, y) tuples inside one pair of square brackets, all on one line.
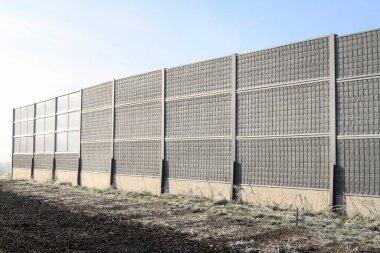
[(60, 218)]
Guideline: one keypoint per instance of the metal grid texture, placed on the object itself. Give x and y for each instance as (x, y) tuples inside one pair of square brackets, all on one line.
[(96, 157), (22, 161), (294, 162), (138, 121), (298, 61), (358, 107), (97, 96), (66, 162), (285, 110), (138, 88), (43, 161), (358, 166), (202, 77), (141, 158), (198, 159), (201, 116), (358, 54), (97, 125)]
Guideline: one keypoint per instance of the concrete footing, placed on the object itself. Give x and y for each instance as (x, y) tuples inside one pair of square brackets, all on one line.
[(308, 199), (21, 174), (43, 176), (66, 176), (138, 184), (95, 180)]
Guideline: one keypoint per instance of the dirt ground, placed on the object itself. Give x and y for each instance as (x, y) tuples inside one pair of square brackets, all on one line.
[(62, 218)]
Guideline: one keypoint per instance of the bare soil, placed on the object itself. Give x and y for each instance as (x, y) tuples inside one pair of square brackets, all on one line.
[(61, 218)]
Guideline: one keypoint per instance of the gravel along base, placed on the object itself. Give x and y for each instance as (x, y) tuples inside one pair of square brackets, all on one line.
[(61, 218)]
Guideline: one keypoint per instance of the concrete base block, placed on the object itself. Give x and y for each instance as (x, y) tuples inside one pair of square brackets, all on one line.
[(138, 184), (361, 204), (309, 199), (66, 176), (213, 190), (43, 176), (21, 174), (95, 180)]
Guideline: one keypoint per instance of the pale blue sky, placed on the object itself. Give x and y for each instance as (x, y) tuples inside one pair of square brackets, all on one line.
[(48, 48)]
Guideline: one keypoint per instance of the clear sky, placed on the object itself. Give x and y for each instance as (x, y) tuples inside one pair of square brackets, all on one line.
[(51, 47)]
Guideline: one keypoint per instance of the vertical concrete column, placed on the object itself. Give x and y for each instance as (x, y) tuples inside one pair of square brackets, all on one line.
[(34, 139), (55, 135), (112, 162), (332, 119), (162, 171), (79, 170), (13, 139), (233, 126)]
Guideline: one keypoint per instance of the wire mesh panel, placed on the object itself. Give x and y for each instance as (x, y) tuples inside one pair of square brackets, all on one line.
[(295, 162), (199, 159), (201, 77), (96, 157), (358, 107), (22, 161), (138, 158), (43, 161), (66, 162), (359, 163), (138, 88), (294, 62), (286, 110), (97, 125), (97, 96), (202, 116), (358, 54), (138, 121)]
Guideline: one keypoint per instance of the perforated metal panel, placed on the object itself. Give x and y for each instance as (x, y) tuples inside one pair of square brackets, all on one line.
[(202, 116), (286, 110), (201, 77), (22, 161), (296, 162), (43, 161), (358, 107), (97, 96), (298, 61), (138, 121), (199, 159), (138, 88), (138, 158), (358, 54), (97, 125), (96, 157), (66, 162), (359, 163)]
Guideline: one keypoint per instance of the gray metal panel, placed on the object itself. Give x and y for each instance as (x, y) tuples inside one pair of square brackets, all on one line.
[(201, 116), (296, 162), (138, 88), (97, 96), (201, 77), (96, 157), (97, 125), (43, 161), (22, 161), (199, 159), (358, 54), (358, 107), (66, 161), (138, 121), (298, 61), (138, 158), (284, 110), (359, 163)]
